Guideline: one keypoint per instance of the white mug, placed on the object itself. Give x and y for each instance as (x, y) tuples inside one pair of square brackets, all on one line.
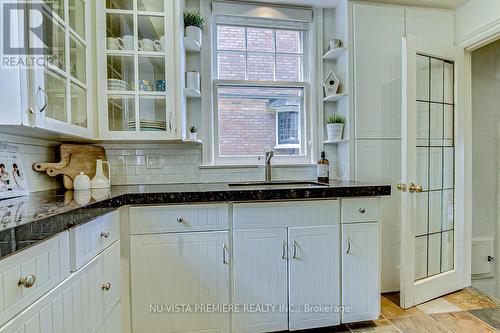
[(146, 44), (114, 43), (160, 44), (127, 42)]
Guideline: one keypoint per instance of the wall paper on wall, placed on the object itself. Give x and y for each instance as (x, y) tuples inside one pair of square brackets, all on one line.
[(180, 163), (34, 150)]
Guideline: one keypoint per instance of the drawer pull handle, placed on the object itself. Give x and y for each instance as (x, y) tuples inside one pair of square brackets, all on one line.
[(105, 234), (348, 244), (180, 219), (27, 281), (283, 253), (362, 210), (106, 286)]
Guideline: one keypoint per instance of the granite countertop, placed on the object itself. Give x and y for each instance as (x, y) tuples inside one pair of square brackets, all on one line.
[(25, 221)]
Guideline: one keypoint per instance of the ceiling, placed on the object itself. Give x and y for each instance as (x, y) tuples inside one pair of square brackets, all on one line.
[(450, 4)]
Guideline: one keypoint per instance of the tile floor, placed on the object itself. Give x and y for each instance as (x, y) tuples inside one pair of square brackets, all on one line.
[(465, 311)]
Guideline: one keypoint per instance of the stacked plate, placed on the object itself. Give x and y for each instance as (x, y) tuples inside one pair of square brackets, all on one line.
[(148, 125), (115, 84)]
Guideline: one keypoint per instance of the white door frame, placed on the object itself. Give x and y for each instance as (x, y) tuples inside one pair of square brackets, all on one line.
[(476, 40), (412, 292)]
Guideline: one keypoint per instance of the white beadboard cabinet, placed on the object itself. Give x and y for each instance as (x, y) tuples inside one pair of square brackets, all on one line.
[(79, 304), (360, 271), (179, 268), (260, 277), (314, 276)]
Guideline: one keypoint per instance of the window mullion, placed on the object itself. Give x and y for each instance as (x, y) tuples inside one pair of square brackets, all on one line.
[(275, 50), (246, 54)]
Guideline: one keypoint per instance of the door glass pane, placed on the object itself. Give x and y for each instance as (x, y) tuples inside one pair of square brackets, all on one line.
[(78, 106), (119, 32), (77, 59), (120, 4), (121, 113), (120, 73), (435, 157), (55, 87), (152, 111), (151, 33), (53, 38), (77, 16), (152, 74), (57, 6), (150, 5)]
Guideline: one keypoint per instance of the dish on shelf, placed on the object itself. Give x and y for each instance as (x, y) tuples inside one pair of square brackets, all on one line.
[(148, 125), (116, 84)]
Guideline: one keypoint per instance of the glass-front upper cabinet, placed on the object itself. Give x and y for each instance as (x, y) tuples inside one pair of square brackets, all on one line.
[(61, 85), (136, 66)]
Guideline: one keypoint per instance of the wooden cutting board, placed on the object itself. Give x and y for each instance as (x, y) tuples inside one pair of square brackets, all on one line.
[(74, 159)]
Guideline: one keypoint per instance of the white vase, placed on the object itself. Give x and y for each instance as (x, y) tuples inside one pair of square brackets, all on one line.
[(100, 180), (334, 131), (193, 80), (194, 33), (192, 136)]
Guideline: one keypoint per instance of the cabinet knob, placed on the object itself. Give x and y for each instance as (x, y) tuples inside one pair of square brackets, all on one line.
[(412, 188), (362, 210), (180, 219), (27, 282), (106, 286), (105, 234)]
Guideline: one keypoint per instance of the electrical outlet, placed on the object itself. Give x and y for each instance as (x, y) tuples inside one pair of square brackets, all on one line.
[(153, 161)]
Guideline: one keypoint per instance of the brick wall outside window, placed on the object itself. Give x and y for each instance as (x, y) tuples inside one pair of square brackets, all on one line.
[(246, 125)]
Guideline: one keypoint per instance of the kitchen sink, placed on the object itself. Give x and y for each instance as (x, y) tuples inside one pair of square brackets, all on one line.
[(279, 183)]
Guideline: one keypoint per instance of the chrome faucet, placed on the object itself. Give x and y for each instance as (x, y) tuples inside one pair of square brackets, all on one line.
[(269, 156)]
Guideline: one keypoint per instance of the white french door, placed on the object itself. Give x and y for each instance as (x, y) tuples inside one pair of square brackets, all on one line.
[(432, 218)]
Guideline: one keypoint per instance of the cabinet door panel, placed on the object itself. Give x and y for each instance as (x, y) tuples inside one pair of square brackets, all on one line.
[(360, 272), (182, 268), (377, 70), (314, 276), (260, 277)]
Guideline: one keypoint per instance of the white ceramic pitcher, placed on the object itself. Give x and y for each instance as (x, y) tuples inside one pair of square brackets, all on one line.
[(99, 180)]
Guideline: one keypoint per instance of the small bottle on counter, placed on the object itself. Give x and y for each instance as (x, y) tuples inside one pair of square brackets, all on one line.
[(323, 169)]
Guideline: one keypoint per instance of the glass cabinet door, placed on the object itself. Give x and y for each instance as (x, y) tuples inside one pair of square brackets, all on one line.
[(136, 67), (63, 80)]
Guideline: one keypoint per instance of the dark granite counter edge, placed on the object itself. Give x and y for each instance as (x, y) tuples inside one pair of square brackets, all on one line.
[(26, 235)]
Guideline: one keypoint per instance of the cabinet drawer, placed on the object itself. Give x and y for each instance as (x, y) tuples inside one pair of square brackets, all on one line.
[(48, 262), (360, 210), (178, 218), (110, 267), (285, 214), (90, 239)]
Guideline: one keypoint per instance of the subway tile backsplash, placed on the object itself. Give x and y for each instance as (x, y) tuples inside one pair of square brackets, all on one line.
[(180, 163)]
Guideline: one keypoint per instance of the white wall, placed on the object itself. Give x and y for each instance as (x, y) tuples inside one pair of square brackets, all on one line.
[(486, 152), (474, 16)]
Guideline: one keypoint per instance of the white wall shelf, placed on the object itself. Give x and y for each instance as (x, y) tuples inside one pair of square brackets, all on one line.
[(334, 98), (334, 53), (192, 93), (191, 45), (334, 142)]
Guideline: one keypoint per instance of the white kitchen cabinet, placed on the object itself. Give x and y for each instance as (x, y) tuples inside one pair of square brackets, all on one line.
[(77, 305), (260, 277), (360, 271), (54, 94), (179, 268), (137, 55), (314, 276), (377, 33), (113, 323)]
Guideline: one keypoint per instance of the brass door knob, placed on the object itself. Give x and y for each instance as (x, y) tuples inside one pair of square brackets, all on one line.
[(414, 188), (27, 281), (401, 187)]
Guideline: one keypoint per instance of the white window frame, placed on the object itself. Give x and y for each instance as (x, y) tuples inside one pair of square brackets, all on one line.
[(306, 116)]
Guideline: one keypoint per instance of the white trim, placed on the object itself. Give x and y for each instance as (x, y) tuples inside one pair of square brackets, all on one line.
[(480, 37), (266, 11)]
